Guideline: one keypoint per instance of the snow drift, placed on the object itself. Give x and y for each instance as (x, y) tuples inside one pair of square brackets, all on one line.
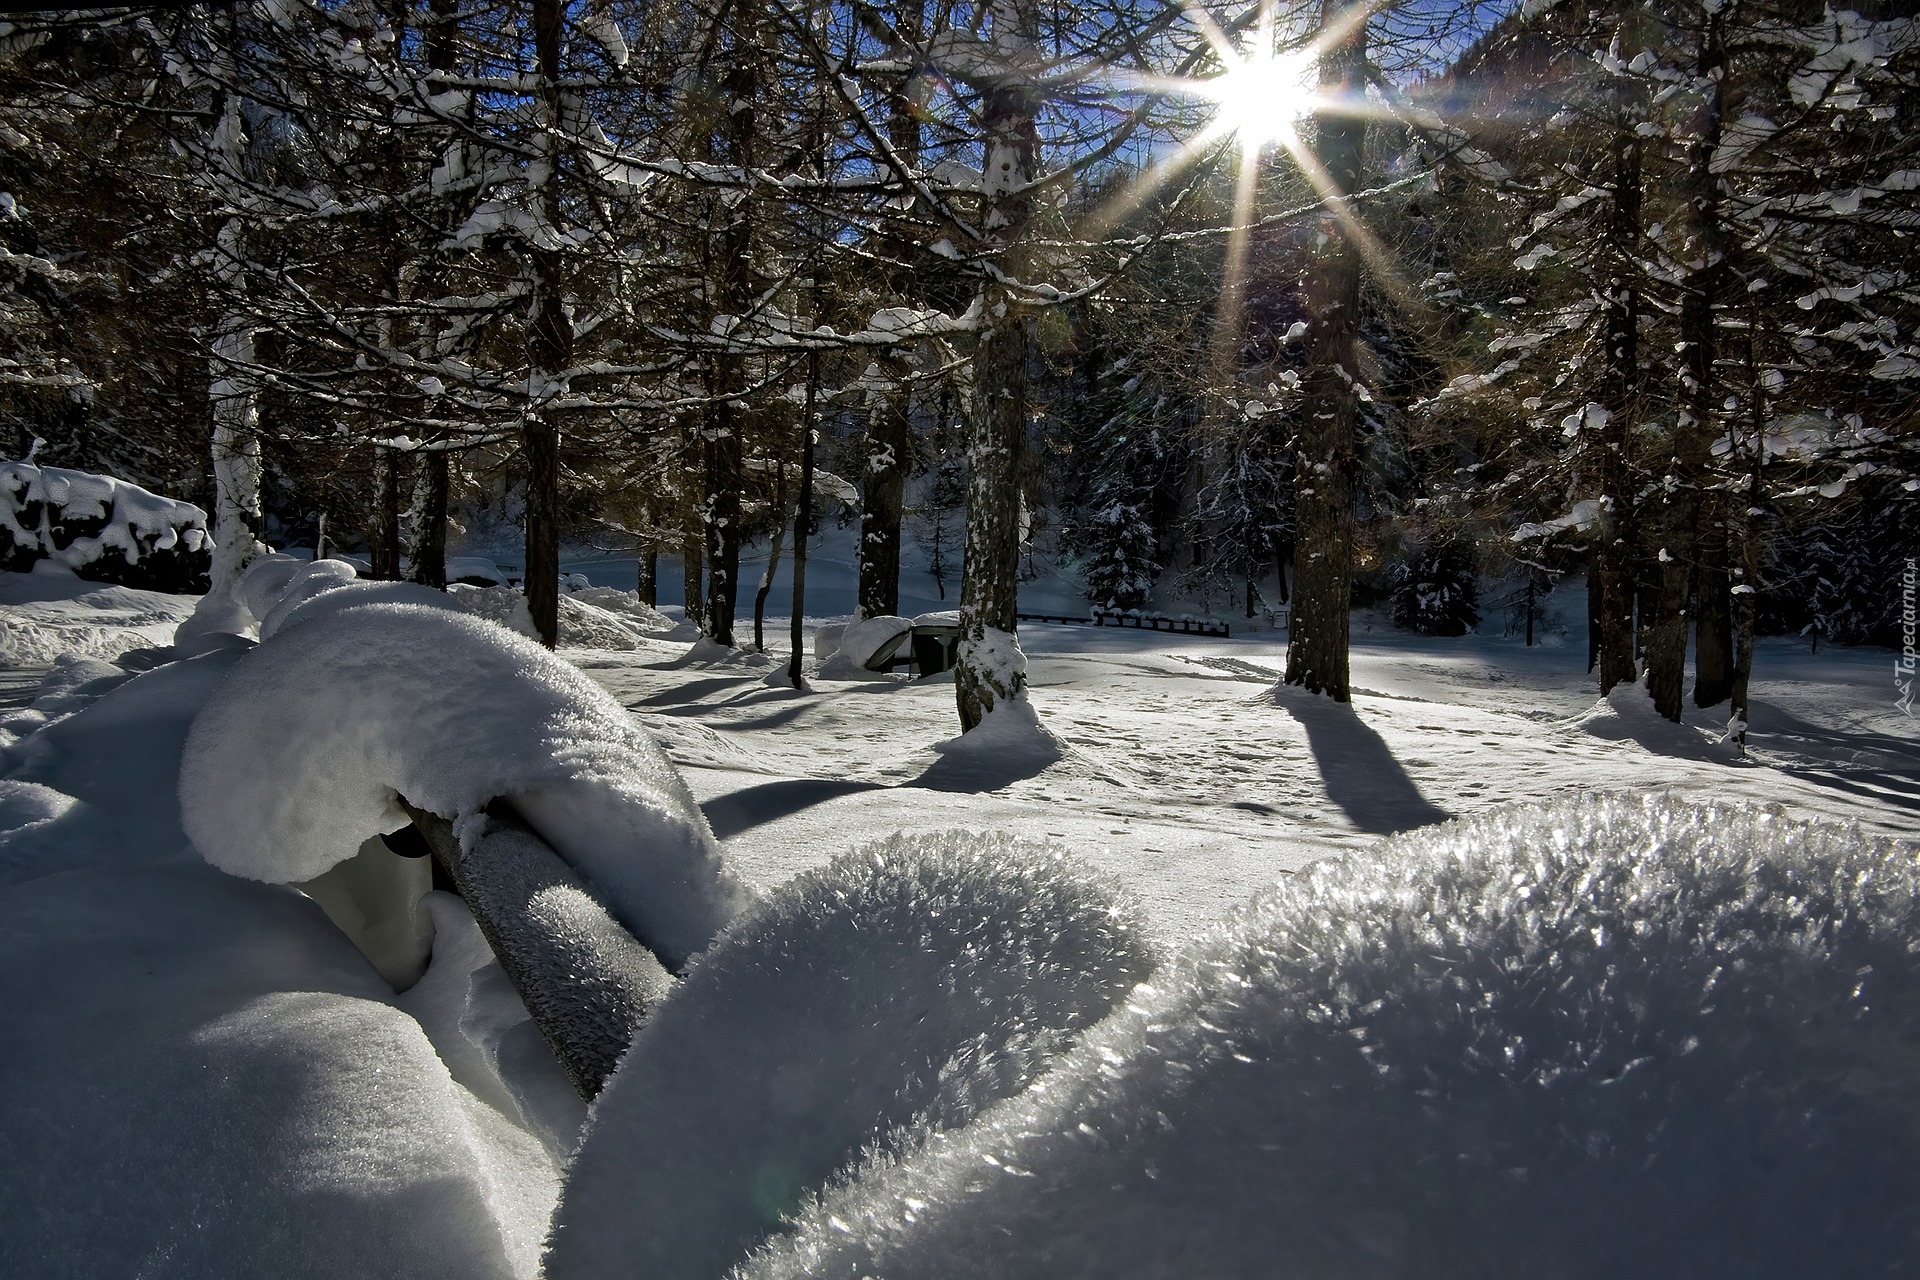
[(101, 528), (303, 751), (907, 984), (200, 1077), (1606, 1037)]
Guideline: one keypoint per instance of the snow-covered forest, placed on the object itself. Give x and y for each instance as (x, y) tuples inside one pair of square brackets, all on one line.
[(1021, 638)]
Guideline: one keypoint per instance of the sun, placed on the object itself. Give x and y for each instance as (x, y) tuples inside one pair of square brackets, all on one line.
[(1263, 98)]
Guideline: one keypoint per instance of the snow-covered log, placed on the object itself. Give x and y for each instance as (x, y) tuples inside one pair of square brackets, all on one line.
[(891, 994), (586, 983), (308, 747), (1607, 1037), (103, 529)]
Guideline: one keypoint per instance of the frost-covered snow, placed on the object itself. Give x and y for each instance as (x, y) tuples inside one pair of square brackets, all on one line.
[(907, 984), (1603, 1038), (303, 751)]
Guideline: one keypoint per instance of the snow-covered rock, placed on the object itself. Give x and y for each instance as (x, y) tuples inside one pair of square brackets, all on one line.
[(897, 991), (301, 754), (1605, 1037), (826, 639)]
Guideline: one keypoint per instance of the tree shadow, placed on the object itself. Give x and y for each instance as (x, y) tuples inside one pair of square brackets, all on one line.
[(756, 806), (692, 691), (1357, 768), (982, 771)]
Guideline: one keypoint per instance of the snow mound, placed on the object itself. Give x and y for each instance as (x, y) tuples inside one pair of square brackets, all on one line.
[(1605, 1037), (1627, 714), (102, 528), (73, 682), (709, 653), (317, 597), (26, 804), (858, 1008), (628, 604), (584, 623), (301, 754), (201, 1077), (476, 571), (1012, 729)]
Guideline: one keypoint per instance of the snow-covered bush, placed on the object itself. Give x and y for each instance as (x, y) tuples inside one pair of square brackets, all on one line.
[(1607, 1037), (103, 529), (299, 757), (1435, 591), (897, 991)]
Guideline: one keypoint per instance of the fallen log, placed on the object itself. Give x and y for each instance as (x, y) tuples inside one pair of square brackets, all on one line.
[(587, 983)]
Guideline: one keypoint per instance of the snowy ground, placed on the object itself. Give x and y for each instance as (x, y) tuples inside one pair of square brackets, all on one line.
[(1186, 772), (1195, 781), (1177, 765)]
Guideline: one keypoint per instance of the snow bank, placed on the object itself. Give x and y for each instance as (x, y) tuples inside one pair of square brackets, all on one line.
[(907, 984), (102, 528), (1600, 1038), (201, 1077), (598, 618), (300, 754)]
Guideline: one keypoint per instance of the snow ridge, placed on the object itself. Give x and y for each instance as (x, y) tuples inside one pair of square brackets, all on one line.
[(891, 994), (1610, 1036)]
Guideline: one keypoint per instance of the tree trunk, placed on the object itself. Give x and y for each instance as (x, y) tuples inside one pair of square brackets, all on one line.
[(883, 492), (549, 344), (693, 561), (427, 520), (238, 522), (988, 666), (803, 522), (540, 443), (889, 428), (1614, 545), (773, 565), (647, 584), (1713, 639), (384, 548), (1324, 468), (725, 450), (1713, 617)]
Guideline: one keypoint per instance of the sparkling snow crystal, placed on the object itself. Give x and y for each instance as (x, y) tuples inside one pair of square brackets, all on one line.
[(1605, 1038), (303, 752), (892, 993)]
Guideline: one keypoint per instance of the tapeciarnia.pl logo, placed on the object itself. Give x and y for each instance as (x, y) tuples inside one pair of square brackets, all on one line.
[(1903, 666)]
